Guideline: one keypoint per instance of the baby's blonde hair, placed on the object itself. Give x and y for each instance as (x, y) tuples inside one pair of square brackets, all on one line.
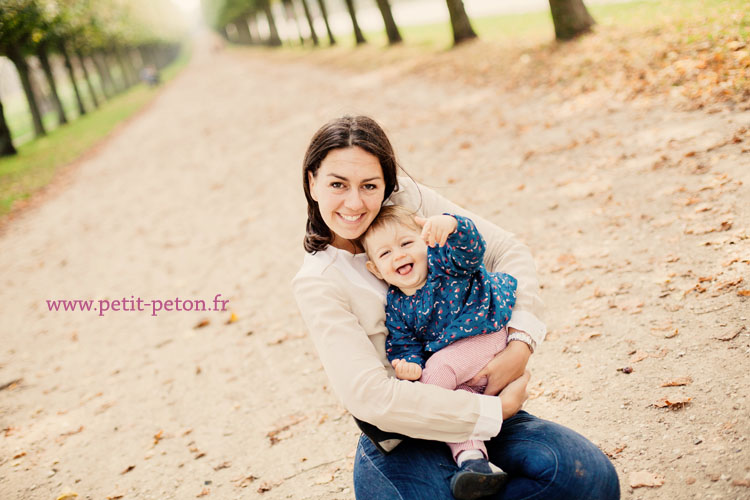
[(389, 215)]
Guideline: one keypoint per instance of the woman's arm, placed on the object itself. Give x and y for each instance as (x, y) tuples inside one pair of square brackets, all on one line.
[(360, 379)]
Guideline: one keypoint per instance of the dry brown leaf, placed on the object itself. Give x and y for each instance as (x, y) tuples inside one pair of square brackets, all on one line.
[(158, 436), (264, 486), (324, 478), (729, 283), (645, 478), (615, 451), (243, 482), (223, 465), (588, 336), (203, 493), (128, 469), (274, 434), (68, 495), (638, 356), (114, 497), (741, 482), (744, 293), (232, 319), (19, 455), (675, 402), (202, 323), (731, 335), (676, 382)]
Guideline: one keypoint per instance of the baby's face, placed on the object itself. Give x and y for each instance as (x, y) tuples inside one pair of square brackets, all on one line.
[(398, 255)]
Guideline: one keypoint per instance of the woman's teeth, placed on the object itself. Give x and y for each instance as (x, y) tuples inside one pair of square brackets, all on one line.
[(350, 218)]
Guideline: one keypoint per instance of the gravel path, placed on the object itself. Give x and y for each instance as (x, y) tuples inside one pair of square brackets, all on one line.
[(633, 210)]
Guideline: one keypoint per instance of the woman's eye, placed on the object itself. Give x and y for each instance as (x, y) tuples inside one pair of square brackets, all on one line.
[(337, 185), (370, 187)]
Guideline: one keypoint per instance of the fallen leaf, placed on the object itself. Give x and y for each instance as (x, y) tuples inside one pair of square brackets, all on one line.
[(731, 335), (202, 323), (274, 434), (243, 482), (675, 403), (744, 293), (232, 319), (67, 496), (645, 478), (158, 437), (264, 486), (615, 451), (324, 478), (128, 469), (638, 356), (741, 482), (676, 382), (19, 455), (203, 493), (114, 497), (223, 465)]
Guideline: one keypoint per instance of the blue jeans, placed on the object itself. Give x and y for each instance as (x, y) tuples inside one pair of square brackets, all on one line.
[(544, 460)]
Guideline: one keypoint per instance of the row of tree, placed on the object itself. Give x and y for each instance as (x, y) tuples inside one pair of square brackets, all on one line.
[(110, 38), (238, 20)]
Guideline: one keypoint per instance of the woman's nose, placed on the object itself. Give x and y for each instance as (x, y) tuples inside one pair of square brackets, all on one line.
[(354, 200)]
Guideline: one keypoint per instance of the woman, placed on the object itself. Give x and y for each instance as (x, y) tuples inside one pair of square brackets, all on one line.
[(349, 172)]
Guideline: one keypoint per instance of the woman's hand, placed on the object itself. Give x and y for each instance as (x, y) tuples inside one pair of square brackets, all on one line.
[(508, 365), (514, 395), (406, 370), (436, 229)]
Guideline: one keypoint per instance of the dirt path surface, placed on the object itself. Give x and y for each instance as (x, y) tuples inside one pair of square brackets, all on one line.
[(637, 215)]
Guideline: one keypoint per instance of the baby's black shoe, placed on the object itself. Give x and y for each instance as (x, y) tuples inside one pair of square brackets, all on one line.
[(475, 479)]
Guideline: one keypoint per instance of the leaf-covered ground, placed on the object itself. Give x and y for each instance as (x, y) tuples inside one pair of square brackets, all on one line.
[(634, 207)]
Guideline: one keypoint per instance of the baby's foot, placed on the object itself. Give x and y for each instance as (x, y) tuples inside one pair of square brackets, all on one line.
[(475, 479)]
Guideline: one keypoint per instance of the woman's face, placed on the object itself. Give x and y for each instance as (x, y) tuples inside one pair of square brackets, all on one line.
[(349, 188)]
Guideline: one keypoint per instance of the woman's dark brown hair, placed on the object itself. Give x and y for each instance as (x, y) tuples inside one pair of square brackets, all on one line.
[(344, 132)]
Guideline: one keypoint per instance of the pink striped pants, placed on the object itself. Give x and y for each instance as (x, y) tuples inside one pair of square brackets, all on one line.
[(454, 365)]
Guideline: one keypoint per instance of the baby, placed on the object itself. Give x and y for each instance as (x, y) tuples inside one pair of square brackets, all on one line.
[(445, 314)]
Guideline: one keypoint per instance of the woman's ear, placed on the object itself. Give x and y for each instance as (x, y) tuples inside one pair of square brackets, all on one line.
[(373, 269), (311, 181)]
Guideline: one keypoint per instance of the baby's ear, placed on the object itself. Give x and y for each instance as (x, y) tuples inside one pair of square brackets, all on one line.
[(373, 269)]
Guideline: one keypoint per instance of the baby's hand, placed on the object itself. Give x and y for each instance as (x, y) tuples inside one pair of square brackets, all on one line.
[(406, 370), (436, 229)]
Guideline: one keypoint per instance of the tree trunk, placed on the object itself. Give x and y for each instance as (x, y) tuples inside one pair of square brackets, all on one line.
[(390, 25), (92, 93), (6, 141), (324, 13), (102, 65), (125, 69), (292, 14), (72, 76), (460, 23), (308, 15), (23, 72), (243, 32), (252, 24), (41, 53), (358, 36), (571, 18), (273, 39)]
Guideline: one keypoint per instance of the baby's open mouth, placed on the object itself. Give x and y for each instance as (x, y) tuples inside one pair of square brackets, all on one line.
[(405, 269)]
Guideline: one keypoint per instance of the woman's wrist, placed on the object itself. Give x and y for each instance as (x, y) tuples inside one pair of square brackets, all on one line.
[(519, 336)]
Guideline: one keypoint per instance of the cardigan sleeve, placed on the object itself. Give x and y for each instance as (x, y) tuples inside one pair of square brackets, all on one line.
[(463, 251), (401, 342), (504, 254), (361, 381)]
